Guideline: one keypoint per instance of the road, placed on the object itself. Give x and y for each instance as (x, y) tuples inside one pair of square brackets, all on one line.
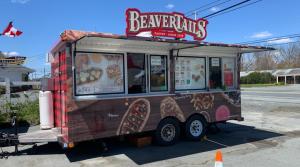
[(286, 94), (269, 136)]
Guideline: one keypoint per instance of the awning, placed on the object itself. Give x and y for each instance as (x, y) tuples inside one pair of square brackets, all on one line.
[(112, 40)]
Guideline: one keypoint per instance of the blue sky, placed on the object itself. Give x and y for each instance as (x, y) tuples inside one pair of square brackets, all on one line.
[(43, 20)]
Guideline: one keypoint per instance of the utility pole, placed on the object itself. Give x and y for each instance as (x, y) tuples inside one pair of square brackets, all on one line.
[(7, 90)]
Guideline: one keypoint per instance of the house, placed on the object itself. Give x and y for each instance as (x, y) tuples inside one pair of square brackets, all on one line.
[(14, 72)]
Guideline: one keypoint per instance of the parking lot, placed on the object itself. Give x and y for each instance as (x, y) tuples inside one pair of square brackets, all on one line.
[(269, 136)]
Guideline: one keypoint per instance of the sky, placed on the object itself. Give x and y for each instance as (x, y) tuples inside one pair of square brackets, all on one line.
[(42, 21)]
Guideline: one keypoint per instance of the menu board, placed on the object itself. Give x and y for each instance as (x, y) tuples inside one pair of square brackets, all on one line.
[(98, 73), (228, 68), (189, 73)]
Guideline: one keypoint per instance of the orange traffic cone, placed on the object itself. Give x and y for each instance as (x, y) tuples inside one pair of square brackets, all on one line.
[(219, 160)]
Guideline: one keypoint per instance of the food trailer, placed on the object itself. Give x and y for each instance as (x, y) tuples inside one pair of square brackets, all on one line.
[(106, 85), (110, 85)]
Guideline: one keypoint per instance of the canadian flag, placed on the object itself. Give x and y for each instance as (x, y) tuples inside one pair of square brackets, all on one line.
[(11, 31)]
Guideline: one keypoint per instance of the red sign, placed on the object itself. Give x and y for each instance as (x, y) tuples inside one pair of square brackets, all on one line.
[(174, 24), (167, 33)]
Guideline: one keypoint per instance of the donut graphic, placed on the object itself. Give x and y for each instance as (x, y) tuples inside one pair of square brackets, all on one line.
[(222, 113)]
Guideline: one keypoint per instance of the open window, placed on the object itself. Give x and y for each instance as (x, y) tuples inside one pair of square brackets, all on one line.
[(190, 73), (215, 73), (136, 73), (99, 73), (158, 73), (228, 64)]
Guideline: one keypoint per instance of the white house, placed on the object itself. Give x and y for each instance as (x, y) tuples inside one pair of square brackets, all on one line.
[(14, 72)]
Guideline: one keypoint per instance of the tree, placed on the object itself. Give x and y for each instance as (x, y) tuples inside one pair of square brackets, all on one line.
[(264, 60), (289, 56)]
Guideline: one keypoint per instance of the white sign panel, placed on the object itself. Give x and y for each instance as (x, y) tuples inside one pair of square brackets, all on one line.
[(215, 62)]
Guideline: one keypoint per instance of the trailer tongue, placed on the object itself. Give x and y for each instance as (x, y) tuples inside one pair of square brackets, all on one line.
[(29, 138)]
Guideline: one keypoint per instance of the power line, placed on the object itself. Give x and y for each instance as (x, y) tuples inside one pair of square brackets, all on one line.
[(208, 4), (230, 7), (283, 43), (196, 11), (235, 9), (271, 39)]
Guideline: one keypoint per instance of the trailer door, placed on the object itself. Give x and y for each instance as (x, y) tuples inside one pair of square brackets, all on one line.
[(58, 68)]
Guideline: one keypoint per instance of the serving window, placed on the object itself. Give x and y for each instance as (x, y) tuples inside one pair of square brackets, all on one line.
[(99, 73), (215, 73), (158, 73), (136, 73), (190, 73)]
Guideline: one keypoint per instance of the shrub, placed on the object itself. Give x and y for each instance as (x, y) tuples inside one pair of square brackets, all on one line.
[(27, 113), (258, 78), (2, 90)]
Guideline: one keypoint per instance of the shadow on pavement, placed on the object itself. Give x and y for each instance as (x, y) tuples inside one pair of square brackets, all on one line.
[(229, 135)]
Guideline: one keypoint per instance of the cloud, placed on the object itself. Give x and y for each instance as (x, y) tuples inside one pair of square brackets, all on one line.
[(170, 6), (280, 41), (11, 53), (214, 9), (20, 1), (262, 34)]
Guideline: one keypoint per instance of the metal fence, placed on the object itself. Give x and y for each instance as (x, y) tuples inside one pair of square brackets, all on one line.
[(8, 97)]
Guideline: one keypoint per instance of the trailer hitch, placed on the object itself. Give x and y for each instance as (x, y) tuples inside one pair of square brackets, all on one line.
[(7, 139)]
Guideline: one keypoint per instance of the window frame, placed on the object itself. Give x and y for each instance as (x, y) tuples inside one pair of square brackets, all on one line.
[(166, 73), (234, 73), (222, 71), (205, 72), (98, 94), (146, 74)]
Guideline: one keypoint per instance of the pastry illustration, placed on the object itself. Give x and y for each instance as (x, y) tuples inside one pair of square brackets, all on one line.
[(202, 101), (88, 76), (135, 117), (195, 77), (82, 61), (113, 71), (96, 58), (222, 113), (169, 107)]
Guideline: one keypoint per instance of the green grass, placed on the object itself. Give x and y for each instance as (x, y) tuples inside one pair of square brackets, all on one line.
[(27, 113), (261, 85)]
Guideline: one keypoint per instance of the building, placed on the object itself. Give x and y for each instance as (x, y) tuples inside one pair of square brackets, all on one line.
[(287, 76), (14, 72)]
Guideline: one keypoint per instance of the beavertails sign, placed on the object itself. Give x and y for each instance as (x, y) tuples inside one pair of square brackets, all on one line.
[(174, 24)]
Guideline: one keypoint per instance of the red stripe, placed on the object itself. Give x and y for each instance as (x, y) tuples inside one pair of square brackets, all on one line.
[(7, 29)]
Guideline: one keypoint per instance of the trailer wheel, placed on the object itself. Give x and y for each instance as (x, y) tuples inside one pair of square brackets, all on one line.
[(195, 128), (167, 132)]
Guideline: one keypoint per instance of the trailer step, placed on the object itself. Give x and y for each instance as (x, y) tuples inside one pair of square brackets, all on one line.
[(40, 136)]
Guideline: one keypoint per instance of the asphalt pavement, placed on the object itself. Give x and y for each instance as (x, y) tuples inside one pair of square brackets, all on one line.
[(282, 94), (269, 136)]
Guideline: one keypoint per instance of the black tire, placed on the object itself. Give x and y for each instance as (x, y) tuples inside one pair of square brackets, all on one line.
[(167, 132), (195, 128)]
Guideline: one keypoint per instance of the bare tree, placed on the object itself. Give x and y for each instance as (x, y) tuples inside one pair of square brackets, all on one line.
[(264, 60), (289, 56), (247, 62)]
